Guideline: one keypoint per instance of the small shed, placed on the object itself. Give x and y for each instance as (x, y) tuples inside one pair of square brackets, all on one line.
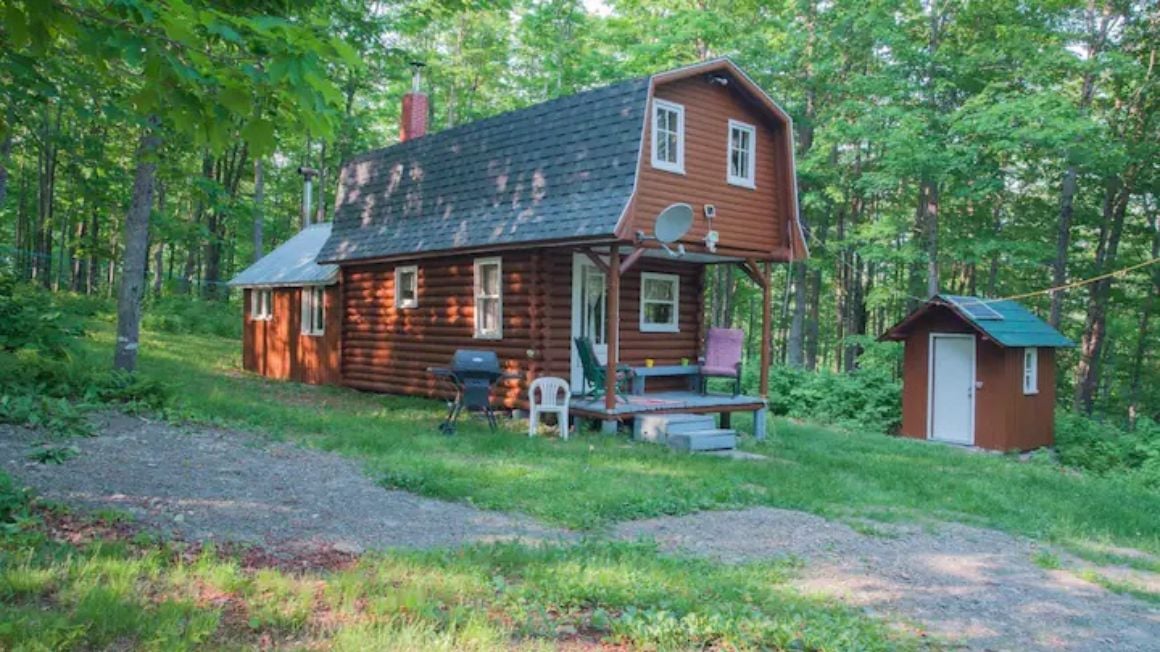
[(978, 372), (292, 323)]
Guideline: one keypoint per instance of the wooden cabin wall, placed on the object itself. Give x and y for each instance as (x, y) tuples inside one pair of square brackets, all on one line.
[(389, 349), (276, 347), (752, 219), (386, 349), (1005, 418)]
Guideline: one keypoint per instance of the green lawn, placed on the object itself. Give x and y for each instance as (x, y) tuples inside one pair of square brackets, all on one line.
[(114, 590), (594, 480)]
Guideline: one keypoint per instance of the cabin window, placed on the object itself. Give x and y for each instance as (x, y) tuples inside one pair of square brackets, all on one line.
[(313, 311), (1030, 371), (742, 153), (658, 302), (668, 136), (488, 298), (407, 287), (260, 304)]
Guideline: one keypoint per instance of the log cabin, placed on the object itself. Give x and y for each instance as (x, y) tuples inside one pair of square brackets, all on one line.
[(520, 232)]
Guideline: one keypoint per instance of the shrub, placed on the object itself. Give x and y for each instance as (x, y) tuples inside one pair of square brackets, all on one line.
[(867, 399), (33, 319), (1104, 448), (190, 315)]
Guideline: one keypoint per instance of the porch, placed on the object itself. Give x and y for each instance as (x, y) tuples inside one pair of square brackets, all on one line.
[(672, 402), (653, 350)]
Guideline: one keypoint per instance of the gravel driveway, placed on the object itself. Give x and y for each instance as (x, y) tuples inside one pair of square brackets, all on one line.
[(976, 587), (204, 484)]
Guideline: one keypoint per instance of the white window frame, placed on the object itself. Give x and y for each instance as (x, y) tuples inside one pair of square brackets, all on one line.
[(480, 332), (751, 158), (261, 304), (675, 325), (413, 302), (670, 166), (1030, 370), (313, 296)]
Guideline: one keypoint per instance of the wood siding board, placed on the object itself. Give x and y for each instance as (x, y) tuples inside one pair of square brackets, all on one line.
[(752, 220)]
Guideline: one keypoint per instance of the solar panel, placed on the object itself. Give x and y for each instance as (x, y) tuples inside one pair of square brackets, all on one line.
[(975, 307)]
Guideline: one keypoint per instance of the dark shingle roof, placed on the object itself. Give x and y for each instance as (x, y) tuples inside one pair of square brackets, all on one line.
[(561, 169), (291, 263)]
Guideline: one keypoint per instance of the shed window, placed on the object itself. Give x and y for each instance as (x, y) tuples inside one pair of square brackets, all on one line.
[(742, 153), (668, 136), (488, 298), (260, 304), (407, 287), (658, 302), (1030, 371), (313, 311)]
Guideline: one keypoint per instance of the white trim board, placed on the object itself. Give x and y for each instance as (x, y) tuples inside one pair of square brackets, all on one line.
[(930, 386)]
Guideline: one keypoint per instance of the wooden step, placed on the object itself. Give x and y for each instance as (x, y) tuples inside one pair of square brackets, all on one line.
[(715, 439)]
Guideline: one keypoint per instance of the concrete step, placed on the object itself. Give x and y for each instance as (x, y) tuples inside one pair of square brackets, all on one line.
[(693, 423), (715, 439), (656, 427)]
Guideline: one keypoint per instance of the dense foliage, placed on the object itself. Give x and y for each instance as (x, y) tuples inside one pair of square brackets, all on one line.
[(997, 148)]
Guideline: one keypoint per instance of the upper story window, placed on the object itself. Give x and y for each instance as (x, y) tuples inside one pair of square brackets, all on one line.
[(668, 136), (260, 304), (407, 287), (659, 295), (488, 298), (742, 154), (313, 310), (1030, 371)]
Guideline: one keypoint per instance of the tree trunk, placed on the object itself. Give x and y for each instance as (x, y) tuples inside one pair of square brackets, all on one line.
[(136, 238), (1087, 371), (795, 349), (930, 203), (159, 246), (5, 153), (259, 207), (1142, 332)]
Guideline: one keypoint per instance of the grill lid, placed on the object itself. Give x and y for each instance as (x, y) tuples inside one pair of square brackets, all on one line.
[(474, 361)]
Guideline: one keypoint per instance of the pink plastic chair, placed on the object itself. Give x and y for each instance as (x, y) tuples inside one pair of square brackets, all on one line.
[(723, 352)]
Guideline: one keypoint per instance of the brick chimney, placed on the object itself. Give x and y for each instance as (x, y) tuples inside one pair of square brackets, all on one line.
[(413, 124)]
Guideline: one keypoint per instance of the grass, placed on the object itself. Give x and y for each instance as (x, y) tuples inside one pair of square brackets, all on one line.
[(592, 481), (118, 592)]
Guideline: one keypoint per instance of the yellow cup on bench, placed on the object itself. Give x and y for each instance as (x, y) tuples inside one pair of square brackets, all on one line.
[(648, 362)]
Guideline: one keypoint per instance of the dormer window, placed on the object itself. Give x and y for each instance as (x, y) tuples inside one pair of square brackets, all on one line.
[(742, 150), (668, 136)]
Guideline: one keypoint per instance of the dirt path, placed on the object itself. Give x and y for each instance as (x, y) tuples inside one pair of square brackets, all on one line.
[(975, 587), (210, 484)]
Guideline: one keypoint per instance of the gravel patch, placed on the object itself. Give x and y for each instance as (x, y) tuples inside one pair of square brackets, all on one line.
[(210, 484), (974, 587)]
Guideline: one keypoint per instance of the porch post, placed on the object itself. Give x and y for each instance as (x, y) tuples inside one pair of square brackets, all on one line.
[(613, 336), (760, 416), (765, 328)]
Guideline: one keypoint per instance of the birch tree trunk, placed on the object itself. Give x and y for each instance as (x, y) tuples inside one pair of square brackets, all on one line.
[(259, 207), (136, 238)]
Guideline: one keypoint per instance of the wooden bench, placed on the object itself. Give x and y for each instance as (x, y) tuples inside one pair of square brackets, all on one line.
[(639, 374)]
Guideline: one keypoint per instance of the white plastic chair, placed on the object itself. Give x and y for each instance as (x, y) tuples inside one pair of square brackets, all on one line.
[(554, 398)]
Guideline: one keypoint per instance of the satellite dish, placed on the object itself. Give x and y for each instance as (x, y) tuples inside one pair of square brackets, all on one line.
[(673, 223)]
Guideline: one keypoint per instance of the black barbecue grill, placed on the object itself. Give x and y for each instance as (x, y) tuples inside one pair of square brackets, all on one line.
[(473, 374)]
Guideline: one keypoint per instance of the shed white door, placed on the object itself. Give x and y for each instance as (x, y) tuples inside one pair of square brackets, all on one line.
[(589, 313), (951, 407)]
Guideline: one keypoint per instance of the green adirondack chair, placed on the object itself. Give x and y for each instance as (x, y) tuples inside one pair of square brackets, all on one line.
[(595, 373)]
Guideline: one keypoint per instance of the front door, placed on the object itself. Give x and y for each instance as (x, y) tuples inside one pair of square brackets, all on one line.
[(589, 313), (951, 407)]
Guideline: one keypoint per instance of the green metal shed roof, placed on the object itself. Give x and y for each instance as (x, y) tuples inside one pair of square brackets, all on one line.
[(1005, 321)]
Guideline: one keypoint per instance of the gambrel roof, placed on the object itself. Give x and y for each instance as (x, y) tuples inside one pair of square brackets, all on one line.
[(563, 170), (558, 170), (292, 263)]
